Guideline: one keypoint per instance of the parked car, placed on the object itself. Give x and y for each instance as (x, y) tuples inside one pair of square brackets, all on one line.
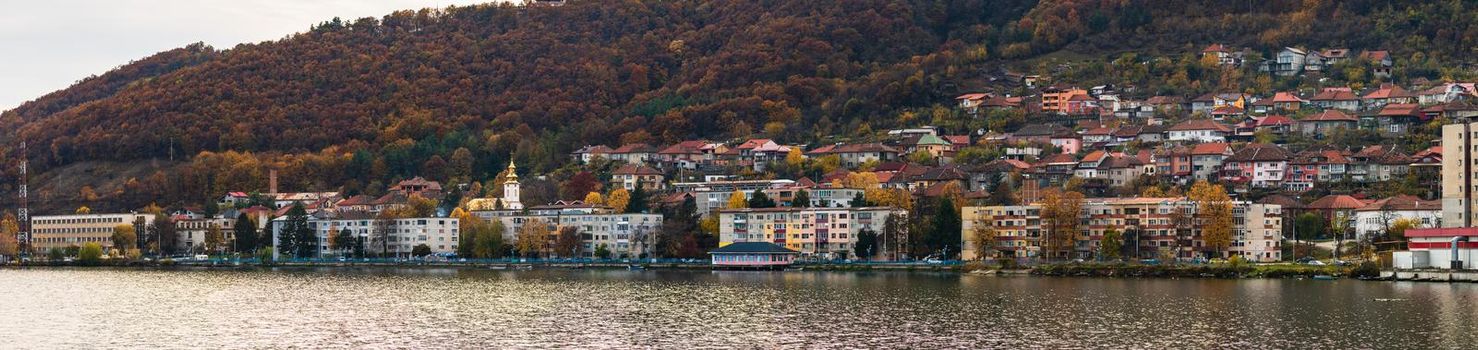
[(1315, 263)]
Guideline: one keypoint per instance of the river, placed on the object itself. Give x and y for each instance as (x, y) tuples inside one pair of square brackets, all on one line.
[(451, 308)]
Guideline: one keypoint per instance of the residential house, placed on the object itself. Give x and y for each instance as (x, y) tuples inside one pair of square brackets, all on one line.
[(1287, 102), (1067, 141), (1056, 168), (1378, 163), (1326, 122), (1257, 165), (1198, 130), (635, 153), (591, 152), (630, 176), (971, 102), (1337, 206), (1207, 103), (1275, 124), (1315, 166), (937, 147), (1382, 61), (1289, 61), (1387, 94), (1224, 56), (1098, 135), (1055, 99), (685, 155), (853, 155), (1449, 92), (1396, 119), (1374, 220), (1338, 98), (1206, 159)]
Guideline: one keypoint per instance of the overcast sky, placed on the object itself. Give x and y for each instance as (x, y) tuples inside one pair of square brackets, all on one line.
[(48, 45)]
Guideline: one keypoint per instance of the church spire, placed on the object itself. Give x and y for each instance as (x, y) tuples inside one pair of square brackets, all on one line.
[(512, 173)]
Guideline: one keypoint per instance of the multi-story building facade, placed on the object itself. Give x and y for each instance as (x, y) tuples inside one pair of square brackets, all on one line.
[(822, 232), (623, 234), (1459, 172), (392, 236), (1149, 227), (192, 232), (62, 231)]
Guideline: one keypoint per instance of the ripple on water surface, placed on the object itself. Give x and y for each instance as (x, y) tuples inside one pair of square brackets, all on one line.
[(102, 308)]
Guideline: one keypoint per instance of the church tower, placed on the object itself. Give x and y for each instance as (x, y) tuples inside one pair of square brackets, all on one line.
[(510, 189)]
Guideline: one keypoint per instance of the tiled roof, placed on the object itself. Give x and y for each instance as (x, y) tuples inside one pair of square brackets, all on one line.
[(1331, 115), (1335, 94), (635, 148), (1259, 152), (1337, 201), (752, 247), (1200, 124), (1274, 120), (1400, 109), (1402, 202), (1210, 148), (633, 169)]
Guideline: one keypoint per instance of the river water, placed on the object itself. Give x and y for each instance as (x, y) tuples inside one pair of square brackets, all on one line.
[(449, 308)]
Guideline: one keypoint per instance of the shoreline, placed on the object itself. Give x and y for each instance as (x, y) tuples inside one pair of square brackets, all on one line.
[(1098, 270)]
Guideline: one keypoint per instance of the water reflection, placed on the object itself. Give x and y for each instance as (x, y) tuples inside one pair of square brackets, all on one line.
[(452, 308)]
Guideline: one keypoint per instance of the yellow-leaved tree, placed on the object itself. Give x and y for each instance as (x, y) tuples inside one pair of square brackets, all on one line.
[(737, 201), (618, 199), (1214, 211)]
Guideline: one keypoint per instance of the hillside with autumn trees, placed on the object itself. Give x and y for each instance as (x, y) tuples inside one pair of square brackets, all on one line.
[(454, 94)]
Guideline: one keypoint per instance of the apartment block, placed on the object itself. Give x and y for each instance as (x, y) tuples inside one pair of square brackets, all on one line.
[(827, 232), (1148, 227), (623, 234), (61, 231)]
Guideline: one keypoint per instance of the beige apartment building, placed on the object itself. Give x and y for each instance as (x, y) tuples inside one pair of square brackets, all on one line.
[(1459, 170), (1147, 226), (62, 231)]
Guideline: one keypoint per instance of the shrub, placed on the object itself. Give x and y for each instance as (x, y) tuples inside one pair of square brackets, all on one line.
[(90, 254), (1368, 269)]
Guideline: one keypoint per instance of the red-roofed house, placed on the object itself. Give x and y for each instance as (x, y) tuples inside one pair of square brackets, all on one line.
[(631, 175), (1341, 98), (636, 153), (1198, 130), (1397, 118), (1287, 102), (1320, 125), (1386, 94), (1257, 164), (853, 155)]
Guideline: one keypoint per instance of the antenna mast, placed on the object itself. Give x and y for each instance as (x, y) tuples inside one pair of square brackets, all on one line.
[(23, 213)]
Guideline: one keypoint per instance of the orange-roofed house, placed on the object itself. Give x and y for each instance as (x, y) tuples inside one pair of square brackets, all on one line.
[(1340, 98), (1198, 130), (1326, 122)]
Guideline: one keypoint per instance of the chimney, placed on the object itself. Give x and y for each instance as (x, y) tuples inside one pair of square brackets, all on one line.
[(272, 181)]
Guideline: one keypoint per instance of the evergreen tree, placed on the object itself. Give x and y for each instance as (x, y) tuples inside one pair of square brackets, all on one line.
[(345, 241), (1002, 194), (867, 244), (297, 238), (858, 201), (802, 199), (638, 202), (246, 234), (758, 199), (945, 229)]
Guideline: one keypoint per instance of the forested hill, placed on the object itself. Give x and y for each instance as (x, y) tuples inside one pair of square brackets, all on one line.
[(351, 102)]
